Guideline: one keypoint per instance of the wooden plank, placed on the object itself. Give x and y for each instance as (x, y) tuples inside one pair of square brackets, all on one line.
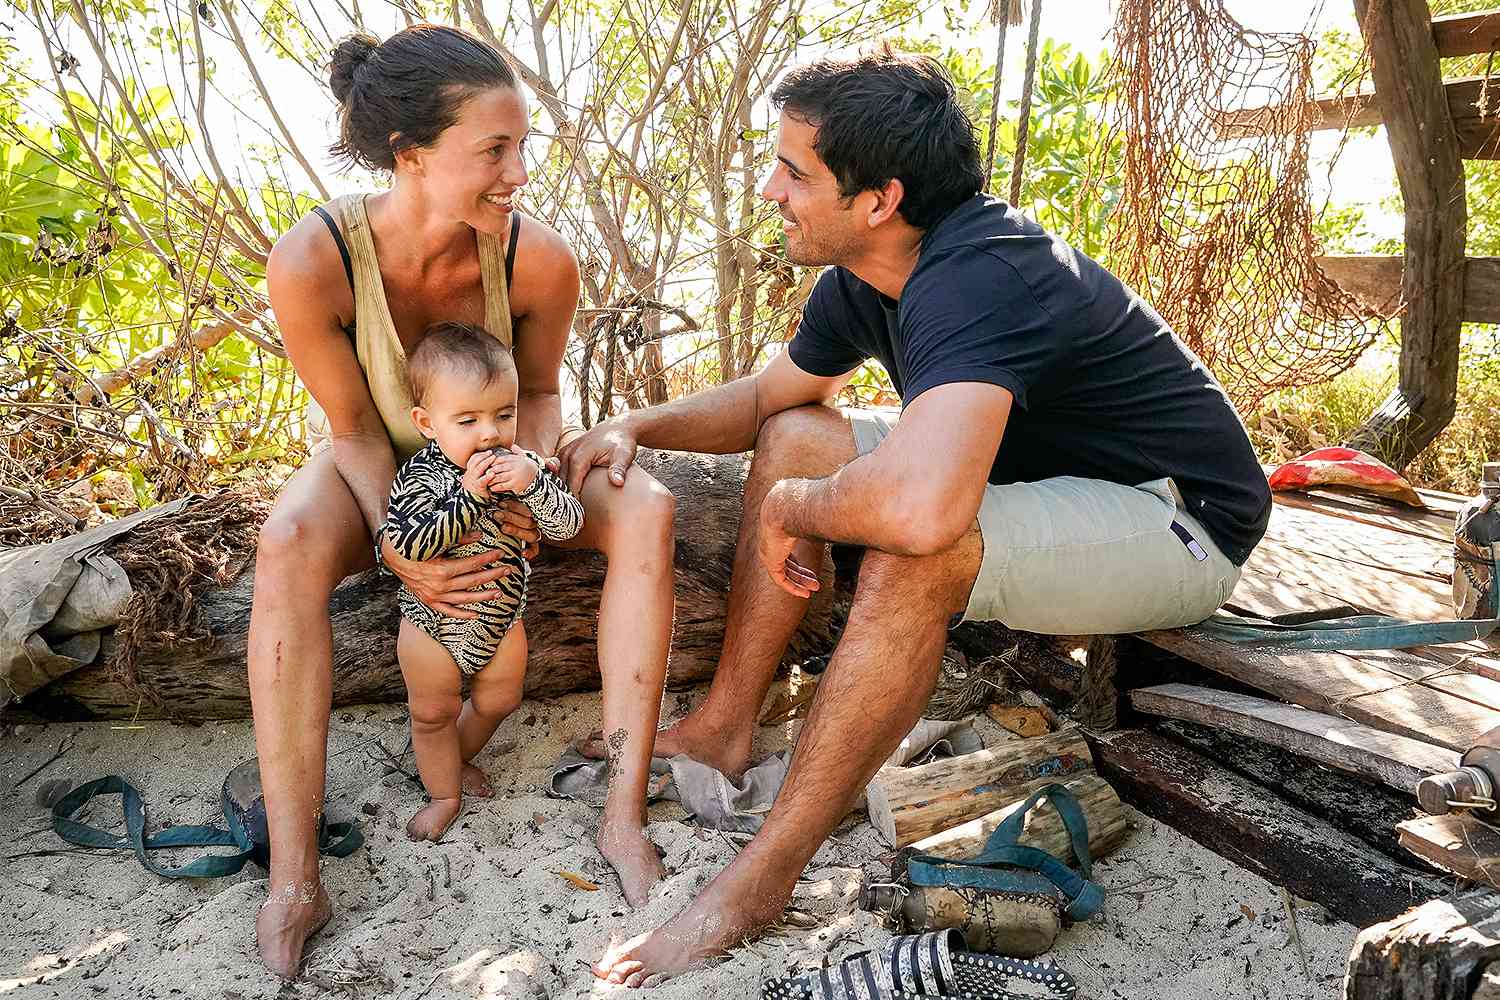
[(1446, 949), (1339, 684), (1375, 282), (1397, 761), (1366, 809), (1458, 843), (1425, 525), (1467, 34), (1254, 828)]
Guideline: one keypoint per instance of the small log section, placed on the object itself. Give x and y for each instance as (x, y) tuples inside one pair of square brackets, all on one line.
[(1106, 815), (907, 804), (1441, 950), (208, 680)]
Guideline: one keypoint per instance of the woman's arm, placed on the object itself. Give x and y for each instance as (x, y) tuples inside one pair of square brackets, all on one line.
[(312, 301), (545, 298)]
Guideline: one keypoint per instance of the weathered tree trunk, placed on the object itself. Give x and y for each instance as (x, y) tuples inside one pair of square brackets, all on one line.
[(208, 680), (1414, 106), (1107, 819), (1447, 949)]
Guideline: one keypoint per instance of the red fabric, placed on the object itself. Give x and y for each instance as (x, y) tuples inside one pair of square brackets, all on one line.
[(1347, 468)]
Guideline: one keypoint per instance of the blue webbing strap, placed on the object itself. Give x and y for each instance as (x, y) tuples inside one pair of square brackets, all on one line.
[(336, 840), (1004, 866)]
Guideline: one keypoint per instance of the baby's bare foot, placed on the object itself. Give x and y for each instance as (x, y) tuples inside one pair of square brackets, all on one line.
[(433, 821), (476, 782)]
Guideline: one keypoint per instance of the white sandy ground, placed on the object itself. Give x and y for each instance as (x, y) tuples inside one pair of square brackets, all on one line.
[(484, 913)]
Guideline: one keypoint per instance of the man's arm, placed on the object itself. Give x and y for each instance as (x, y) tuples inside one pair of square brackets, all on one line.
[(723, 420), (917, 493)]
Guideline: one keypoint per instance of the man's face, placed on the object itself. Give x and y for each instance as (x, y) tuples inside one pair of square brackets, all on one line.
[(819, 223)]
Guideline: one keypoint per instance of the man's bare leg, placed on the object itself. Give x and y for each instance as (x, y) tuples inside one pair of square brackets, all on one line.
[(876, 686), (314, 537), (807, 442), (632, 525)]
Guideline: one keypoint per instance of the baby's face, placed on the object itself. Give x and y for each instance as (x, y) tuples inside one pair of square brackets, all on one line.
[(464, 416)]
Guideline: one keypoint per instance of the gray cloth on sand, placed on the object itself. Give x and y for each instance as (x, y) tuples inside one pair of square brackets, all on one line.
[(737, 806), (57, 599)]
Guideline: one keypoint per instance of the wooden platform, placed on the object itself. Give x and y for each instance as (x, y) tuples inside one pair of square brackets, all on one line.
[(1325, 549)]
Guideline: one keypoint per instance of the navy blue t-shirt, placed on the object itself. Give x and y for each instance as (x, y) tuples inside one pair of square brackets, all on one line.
[(1103, 388)]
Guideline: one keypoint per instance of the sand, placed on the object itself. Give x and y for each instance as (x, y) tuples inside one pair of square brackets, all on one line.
[(487, 914)]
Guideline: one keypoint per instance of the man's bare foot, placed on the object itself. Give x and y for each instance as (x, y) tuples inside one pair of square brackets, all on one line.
[(724, 750), (476, 783), (633, 857), (433, 821), (722, 916), (291, 914)]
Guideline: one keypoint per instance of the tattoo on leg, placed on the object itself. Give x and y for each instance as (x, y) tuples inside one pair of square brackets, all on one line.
[(615, 745)]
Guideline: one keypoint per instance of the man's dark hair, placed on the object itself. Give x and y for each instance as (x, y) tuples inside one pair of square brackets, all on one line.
[(453, 349), (887, 114), (407, 90)]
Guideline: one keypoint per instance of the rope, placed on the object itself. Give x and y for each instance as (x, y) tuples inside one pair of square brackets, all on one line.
[(1023, 124)]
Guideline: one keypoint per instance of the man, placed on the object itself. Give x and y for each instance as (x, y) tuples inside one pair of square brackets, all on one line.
[(1062, 463)]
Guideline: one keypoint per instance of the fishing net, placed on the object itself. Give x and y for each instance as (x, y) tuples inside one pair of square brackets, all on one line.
[(1214, 224)]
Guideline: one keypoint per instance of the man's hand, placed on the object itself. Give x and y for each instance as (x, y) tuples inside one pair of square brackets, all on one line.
[(777, 549), (445, 585), (514, 518), (476, 475), (608, 445), (512, 472)]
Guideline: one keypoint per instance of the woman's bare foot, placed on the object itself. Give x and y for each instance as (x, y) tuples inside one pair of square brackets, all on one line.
[(291, 914), (476, 783), (433, 821), (633, 857), (725, 750), (722, 916)]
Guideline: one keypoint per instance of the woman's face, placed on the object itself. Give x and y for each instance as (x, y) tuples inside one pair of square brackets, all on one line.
[(473, 171)]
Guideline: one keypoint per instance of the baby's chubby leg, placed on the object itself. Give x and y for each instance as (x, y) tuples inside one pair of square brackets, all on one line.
[(494, 693), (433, 693)]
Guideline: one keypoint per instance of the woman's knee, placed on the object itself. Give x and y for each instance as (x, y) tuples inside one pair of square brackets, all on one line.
[(293, 552), (643, 516)]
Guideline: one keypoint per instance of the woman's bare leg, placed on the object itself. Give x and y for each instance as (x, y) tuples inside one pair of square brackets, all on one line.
[(632, 526), (314, 537)]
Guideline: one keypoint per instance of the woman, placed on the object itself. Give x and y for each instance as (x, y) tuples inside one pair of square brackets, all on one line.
[(352, 285)]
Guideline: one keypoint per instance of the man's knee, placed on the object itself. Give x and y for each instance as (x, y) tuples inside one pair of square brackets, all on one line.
[(942, 581), (794, 428)]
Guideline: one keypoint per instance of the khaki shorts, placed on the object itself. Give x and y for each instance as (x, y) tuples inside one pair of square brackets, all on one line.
[(1073, 556)]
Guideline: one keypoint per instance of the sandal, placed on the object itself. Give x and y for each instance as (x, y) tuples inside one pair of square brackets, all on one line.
[(922, 967)]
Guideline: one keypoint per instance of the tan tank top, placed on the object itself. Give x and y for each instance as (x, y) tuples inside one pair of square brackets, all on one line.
[(376, 343)]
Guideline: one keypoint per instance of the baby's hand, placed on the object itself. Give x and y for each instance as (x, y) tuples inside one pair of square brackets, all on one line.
[(512, 472), (477, 474)]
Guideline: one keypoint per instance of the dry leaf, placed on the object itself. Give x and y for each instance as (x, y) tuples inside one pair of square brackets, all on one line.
[(1249, 913), (1021, 720), (578, 881)]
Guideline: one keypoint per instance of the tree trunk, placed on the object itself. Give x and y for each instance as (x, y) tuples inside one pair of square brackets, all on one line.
[(1424, 145), (208, 680)]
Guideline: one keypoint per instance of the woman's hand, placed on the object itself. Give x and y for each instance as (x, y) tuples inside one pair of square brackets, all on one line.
[(514, 518), (446, 585)]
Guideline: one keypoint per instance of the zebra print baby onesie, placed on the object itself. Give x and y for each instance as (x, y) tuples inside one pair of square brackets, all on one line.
[(430, 511)]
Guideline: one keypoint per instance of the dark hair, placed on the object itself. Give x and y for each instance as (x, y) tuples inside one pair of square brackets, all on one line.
[(405, 91), (886, 114), (452, 348)]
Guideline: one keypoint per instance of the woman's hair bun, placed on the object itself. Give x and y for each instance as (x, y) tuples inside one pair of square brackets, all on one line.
[(348, 56)]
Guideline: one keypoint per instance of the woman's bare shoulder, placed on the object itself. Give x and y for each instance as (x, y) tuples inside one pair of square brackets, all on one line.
[(306, 260), (545, 263)]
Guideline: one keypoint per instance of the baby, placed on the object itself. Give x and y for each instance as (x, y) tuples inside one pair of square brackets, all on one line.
[(463, 382)]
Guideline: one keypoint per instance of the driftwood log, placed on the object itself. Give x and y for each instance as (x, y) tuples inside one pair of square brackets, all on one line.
[(1447, 949), (907, 804), (1107, 819), (207, 680)]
